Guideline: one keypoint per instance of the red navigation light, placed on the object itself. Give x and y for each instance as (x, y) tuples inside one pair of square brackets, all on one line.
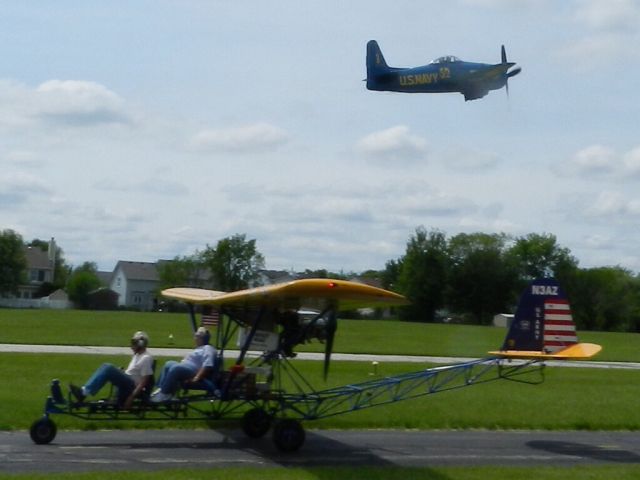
[(332, 284)]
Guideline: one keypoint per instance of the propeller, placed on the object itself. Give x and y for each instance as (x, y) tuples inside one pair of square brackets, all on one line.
[(512, 73), (331, 327)]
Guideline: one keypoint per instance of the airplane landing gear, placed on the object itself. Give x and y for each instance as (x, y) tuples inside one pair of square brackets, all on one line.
[(43, 431), (256, 423), (288, 435)]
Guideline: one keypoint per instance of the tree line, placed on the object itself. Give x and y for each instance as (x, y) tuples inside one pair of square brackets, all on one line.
[(474, 276), (466, 277)]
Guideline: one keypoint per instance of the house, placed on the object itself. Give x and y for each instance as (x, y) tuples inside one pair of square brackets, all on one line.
[(40, 268), (269, 277), (503, 320), (136, 284), (40, 271), (58, 300)]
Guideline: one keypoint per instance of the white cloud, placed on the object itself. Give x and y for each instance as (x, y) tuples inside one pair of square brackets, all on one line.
[(598, 241), (152, 186), (467, 160), (609, 15), (504, 4), (393, 144), (79, 103), (258, 137), (632, 161), (613, 205), (603, 162), (608, 29), (595, 159), (60, 103), (592, 51), (17, 188)]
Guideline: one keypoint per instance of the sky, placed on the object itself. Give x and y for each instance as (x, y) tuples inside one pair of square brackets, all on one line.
[(150, 129)]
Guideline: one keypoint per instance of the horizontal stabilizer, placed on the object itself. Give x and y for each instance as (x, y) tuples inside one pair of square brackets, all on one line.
[(577, 351)]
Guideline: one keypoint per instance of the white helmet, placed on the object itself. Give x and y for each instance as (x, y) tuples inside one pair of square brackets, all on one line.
[(140, 339), (204, 334)]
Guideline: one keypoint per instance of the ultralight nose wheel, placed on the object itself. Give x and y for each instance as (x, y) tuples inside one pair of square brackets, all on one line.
[(43, 431)]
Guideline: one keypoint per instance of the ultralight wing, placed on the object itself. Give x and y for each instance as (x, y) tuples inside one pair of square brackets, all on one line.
[(347, 295), (196, 296)]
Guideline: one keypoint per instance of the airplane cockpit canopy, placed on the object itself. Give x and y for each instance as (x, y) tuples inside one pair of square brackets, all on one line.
[(446, 59)]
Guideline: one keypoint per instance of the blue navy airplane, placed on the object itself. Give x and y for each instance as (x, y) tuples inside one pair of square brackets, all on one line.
[(444, 74)]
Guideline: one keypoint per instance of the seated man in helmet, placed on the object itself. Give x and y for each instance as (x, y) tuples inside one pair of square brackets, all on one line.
[(130, 383), (196, 366)]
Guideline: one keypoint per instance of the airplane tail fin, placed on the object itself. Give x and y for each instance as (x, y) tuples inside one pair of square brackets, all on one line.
[(543, 326), (376, 64)]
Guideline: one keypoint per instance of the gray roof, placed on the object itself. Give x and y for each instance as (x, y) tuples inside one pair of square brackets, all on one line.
[(139, 270), (37, 259), (104, 277)]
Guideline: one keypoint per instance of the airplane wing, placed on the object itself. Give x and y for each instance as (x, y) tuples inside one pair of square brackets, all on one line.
[(347, 295), (577, 351), (488, 74), (192, 295), (475, 84)]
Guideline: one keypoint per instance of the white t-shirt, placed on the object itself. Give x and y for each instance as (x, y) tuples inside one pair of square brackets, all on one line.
[(202, 356), (140, 366)]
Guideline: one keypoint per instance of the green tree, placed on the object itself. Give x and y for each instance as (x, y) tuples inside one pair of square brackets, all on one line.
[(13, 263), (390, 274), (538, 256), (186, 271), (234, 262), (82, 281), (605, 298), (422, 275), (483, 279)]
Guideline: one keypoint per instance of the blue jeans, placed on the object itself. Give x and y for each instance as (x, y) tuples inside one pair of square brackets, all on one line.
[(173, 374), (110, 373)]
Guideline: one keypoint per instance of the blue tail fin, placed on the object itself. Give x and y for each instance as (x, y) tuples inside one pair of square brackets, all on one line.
[(542, 321), (376, 65)]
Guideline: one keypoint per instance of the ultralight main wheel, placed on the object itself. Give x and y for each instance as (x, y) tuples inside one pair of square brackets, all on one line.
[(256, 423), (43, 431), (288, 435)]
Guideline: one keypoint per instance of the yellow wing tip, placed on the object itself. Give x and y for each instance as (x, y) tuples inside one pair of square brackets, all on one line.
[(578, 351), (191, 295)]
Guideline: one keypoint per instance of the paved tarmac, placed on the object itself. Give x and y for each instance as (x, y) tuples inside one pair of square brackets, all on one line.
[(153, 450), (178, 352)]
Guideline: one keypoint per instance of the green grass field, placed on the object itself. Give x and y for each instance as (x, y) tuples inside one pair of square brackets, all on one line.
[(570, 398), (75, 327)]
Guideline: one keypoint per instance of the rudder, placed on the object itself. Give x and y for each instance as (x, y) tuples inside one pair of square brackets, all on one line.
[(543, 320), (376, 64)]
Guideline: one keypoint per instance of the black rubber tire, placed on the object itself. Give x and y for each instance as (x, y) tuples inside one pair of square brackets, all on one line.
[(288, 435), (43, 431), (256, 423)]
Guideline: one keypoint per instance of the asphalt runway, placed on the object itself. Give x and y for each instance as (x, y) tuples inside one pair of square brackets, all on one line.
[(180, 352), (161, 449)]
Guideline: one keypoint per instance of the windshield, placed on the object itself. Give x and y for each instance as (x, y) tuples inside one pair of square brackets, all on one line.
[(446, 59)]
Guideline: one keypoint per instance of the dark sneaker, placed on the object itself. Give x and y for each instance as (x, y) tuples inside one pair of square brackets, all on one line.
[(77, 392)]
